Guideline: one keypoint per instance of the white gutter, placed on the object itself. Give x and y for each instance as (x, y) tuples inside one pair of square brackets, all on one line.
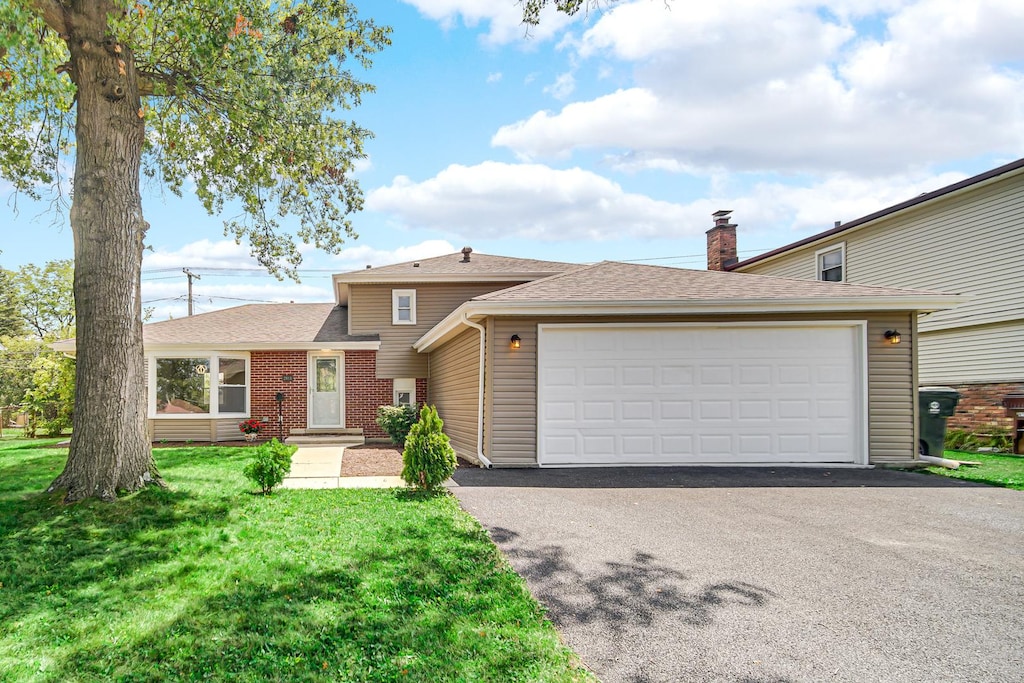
[(484, 462)]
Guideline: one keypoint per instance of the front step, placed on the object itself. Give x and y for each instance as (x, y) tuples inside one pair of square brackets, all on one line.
[(327, 431), (326, 440)]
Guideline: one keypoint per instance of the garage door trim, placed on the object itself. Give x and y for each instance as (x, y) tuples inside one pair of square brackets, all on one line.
[(860, 355)]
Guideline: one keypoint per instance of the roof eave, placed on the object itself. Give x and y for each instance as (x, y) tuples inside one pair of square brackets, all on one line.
[(68, 346), (478, 309)]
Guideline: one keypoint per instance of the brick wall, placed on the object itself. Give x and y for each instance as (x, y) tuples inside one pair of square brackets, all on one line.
[(267, 370), (364, 393), (981, 406)]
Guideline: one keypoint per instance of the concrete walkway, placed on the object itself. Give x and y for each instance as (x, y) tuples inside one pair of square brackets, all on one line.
[(319, 467)]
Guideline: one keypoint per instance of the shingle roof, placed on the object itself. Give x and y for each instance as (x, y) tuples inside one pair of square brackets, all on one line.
[(612, 281), (454, 265), (257, 324)]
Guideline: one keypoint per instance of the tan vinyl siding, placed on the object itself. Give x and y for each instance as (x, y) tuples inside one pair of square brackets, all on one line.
[(370, 311), (972, 244), (194, 430), (989, 353), (453, 386), (513, 394)]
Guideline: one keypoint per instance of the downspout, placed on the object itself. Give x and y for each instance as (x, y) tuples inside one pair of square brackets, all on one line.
[(484, 462)]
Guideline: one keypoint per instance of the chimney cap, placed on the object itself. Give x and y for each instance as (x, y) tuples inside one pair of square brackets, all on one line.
[(466, 251), (722, 213)]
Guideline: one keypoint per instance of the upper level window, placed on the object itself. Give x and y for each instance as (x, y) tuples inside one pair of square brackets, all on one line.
[(832, 264), (403, 306)]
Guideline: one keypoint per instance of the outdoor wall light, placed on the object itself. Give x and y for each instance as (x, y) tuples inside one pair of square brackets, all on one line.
[(892, 336), (515, 342)]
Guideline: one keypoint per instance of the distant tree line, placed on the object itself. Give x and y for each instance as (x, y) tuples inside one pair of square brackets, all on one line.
[(37, 307)]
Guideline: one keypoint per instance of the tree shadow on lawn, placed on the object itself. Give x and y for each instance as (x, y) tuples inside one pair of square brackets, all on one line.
[(62, 559), (621, 595), (396, 608)]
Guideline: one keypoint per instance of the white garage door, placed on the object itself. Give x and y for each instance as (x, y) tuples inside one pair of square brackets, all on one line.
[(688, 394)]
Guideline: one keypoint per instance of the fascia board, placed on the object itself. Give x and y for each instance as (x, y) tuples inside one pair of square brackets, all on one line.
[(478, 309), (68, 346)]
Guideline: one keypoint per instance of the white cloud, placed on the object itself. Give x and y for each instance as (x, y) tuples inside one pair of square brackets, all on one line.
[(201, 254), (563, 86), (494, 77), (754, 86), (361, 256), (533, 201), (503, 17), (527, 200)]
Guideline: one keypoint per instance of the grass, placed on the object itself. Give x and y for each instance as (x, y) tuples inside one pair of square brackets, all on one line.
[(206, 581), (998, 470)]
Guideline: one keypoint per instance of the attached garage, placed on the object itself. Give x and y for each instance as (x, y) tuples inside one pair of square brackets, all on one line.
[(666, 394), (620, 364)]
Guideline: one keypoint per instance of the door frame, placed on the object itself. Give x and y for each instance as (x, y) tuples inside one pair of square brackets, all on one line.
[(311, 387)]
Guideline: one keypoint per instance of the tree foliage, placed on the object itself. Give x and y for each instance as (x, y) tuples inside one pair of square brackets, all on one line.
[(16, 371), (533, 8), (50, 400), (428, 458), (240, 100), (12, 324), (47, 298)]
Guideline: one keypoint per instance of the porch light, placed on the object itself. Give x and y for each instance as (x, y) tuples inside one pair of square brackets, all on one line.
[(892, 336), (515, 342)]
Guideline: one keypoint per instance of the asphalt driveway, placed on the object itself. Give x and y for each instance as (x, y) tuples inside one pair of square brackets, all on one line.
[(732, 574)]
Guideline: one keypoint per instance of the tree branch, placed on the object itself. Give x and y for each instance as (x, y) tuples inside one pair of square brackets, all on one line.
[(52, 12)]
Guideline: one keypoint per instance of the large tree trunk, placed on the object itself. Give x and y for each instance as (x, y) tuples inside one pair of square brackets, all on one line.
[(110, 449)]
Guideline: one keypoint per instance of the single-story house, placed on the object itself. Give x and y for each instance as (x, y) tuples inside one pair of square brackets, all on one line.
[(537, 363), (967, 237)]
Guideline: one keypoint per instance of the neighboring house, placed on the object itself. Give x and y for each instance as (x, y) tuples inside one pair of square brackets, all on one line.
[(540, 363), (966, 238)]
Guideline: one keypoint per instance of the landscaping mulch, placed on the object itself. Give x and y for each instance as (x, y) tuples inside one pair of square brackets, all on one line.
[(372, 460)]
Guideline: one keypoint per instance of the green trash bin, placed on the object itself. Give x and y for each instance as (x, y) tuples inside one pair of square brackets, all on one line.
[(935, 404)]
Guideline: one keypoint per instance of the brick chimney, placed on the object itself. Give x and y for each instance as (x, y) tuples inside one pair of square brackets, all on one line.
[(722, 242)]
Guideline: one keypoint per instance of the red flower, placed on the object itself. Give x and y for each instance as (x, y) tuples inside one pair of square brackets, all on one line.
[(251, 426)]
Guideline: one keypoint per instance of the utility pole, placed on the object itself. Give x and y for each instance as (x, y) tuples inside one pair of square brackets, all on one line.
[(190, 275)]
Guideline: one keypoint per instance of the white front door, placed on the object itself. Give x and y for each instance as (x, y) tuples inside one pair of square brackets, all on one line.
[(326, 390)]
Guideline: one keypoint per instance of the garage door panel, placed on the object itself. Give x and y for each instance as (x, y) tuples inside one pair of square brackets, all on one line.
[(683, 394)]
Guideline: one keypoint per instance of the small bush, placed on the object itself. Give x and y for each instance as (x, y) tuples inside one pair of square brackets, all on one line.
[(270, 464), (960, 440), (428, 458), (396, 421)]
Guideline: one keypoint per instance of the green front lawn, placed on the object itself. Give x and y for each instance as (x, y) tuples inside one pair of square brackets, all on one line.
[(997, 470), (208, 582)]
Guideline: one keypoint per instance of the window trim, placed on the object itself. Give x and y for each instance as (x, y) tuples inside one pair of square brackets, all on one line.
[(820, 253), (214, 357), (395, 294), (403, 385)]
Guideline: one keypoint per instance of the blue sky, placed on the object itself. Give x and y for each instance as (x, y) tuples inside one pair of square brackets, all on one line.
[(614, 136)]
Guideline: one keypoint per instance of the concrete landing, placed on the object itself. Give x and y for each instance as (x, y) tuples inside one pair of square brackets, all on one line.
[(319, 467)]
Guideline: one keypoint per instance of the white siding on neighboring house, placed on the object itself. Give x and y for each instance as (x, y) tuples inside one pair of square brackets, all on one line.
[(969, 243), (989, 353)]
